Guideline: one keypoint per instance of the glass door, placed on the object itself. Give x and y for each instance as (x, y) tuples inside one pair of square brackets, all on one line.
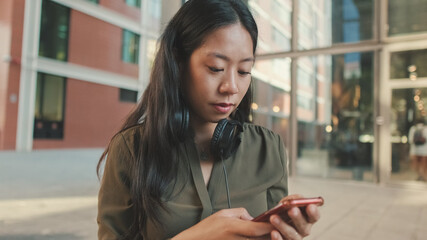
[(408, 131), (408, 116)]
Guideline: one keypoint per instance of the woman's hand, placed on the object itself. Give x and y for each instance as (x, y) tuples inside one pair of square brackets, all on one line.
[(301, 223), (227, 224)]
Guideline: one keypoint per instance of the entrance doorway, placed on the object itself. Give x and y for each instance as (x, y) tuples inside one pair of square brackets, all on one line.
[(408, 134), (407, 130)]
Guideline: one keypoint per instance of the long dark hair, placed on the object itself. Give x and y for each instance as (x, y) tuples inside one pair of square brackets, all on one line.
[(154, 168)]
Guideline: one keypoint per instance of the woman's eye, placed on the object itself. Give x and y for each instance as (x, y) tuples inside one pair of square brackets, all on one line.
[(244, 73), (214, 69)]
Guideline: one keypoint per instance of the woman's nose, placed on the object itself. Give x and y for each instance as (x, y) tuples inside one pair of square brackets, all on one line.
[(229, 84)]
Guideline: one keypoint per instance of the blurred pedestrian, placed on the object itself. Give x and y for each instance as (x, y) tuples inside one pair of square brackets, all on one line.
[(418, 149)]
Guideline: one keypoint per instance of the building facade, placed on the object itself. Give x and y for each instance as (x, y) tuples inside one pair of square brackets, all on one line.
[(342, 81)]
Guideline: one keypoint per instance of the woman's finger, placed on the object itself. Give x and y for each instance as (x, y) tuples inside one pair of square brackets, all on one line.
[(240, 213), (290, 197), (286, 230), (275, 235), (302, 226), (313, 214)]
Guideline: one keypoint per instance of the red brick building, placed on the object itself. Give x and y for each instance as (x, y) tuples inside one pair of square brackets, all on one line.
[(72, 70)]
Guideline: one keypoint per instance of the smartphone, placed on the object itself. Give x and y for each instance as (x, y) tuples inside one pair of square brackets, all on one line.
[(282, 208)]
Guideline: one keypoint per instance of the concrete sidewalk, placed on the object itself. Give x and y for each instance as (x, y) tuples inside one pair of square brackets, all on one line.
[(53, 195)]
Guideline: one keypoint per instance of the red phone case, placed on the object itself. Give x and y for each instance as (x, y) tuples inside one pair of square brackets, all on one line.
[(282, 208)]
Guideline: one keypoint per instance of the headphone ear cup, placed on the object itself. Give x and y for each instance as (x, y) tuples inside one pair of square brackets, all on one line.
[(182, 120), (226, 138), (215, 142)]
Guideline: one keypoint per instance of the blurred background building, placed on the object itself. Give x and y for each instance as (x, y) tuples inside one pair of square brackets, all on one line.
[(341, 80)]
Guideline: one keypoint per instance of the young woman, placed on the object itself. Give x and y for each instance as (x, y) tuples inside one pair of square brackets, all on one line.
[(176, 169)]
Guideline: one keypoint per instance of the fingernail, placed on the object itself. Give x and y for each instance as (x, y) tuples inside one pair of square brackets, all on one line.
[(294, 211), (276, 235), (275, 220)]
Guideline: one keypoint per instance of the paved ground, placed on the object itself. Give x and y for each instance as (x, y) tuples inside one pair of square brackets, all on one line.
[(52, 195)]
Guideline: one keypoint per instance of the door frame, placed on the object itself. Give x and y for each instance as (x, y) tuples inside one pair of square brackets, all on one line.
[(383, 119)]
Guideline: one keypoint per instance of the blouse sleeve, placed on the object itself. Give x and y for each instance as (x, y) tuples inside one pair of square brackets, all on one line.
[(115, 213), (280, 189)]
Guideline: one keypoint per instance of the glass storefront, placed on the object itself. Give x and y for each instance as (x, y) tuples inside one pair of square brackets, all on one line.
[(323, 70), (335, 118)]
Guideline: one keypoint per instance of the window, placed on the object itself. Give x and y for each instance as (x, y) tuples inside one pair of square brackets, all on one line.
[(128, 95), (54, 31), (304, 78), (134, 3), (324, 23), (49, 107), (352, 20), (130, 47), (155, 7), (409, 64), (407, 17), (280, 39), (283, 14), (304, 102)]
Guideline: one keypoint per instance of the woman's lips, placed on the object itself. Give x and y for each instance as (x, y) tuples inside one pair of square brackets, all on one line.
[(223, 107)]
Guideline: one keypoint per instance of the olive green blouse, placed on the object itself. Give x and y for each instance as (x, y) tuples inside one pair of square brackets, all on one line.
[(257, 177)]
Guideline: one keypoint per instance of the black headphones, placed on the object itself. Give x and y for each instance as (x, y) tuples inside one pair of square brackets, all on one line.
[(226, 137)]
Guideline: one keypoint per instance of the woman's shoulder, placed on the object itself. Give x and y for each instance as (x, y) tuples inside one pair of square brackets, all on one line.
[(265, 148), (127, 140), (131, 132), (259, 132)]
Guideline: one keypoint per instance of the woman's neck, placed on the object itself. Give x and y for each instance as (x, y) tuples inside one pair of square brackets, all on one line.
[(203, 133), (203, 130)]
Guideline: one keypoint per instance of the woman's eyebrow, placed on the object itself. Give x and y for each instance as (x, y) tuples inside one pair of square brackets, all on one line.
[(225, 58)]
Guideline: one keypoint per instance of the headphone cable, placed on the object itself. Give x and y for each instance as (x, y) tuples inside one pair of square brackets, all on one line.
[(226, 183)]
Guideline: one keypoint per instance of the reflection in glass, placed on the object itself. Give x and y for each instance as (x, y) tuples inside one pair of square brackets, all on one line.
[(408, 113), (407, 16), (335, 118), (281, 126), (352, 20), (408, 64), (274, 18), (271, 94), (322, 23), (260, 119)]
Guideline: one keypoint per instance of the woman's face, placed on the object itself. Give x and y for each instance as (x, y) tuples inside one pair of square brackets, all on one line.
[(219, 73)]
